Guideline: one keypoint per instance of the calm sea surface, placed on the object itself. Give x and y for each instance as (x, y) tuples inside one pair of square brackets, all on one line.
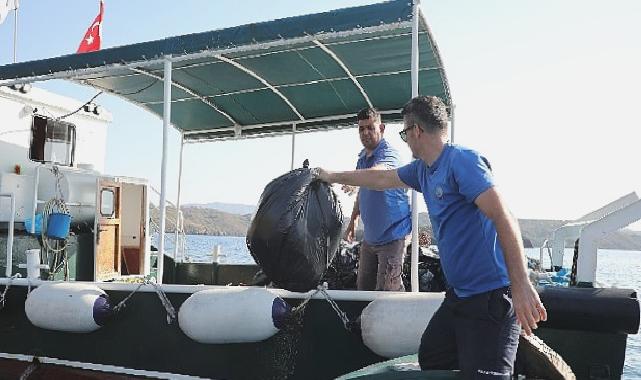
[(619, 269)]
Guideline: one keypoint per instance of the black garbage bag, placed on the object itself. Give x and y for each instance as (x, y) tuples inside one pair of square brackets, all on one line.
[(430, 273), (343, 270), (296, 230)]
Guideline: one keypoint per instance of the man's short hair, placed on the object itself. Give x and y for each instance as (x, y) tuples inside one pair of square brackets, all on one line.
[(428, 112), (368, 113)]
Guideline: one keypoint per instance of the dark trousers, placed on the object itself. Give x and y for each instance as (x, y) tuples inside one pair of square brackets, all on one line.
[(478, 335)]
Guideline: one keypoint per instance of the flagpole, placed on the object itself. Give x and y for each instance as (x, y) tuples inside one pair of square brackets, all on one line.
[(15, 31)]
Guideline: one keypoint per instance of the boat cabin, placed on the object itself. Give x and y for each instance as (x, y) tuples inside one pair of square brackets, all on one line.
[(54, 147)]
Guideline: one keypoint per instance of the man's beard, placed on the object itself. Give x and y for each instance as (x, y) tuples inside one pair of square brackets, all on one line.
[(369, 144)]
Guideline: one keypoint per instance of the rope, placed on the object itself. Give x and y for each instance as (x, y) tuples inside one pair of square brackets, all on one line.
[(6, 288), (575, 260), (122, 304), (341, 314), (33, 366), (169, 308), (322, 289), (54, 254), (300, 308)]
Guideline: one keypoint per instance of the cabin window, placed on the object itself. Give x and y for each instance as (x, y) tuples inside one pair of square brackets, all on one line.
[(107, 203), (52, 141)]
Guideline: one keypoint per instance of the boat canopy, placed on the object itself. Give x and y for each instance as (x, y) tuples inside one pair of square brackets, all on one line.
[(301, 73)]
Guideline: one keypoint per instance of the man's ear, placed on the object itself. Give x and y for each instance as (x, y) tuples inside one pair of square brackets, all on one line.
[(382, 126)]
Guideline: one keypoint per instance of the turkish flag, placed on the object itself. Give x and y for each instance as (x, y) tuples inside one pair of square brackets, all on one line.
[(91, 40)]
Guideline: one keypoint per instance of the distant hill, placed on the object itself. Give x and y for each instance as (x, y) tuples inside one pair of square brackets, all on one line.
[(202, 220), (232, 208), (537, 230)]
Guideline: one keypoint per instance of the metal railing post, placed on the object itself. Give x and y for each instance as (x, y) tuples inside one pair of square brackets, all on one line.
[(166, 120), (36, 183), (293, 144), (414, 257), (178, 212), (12, 218)]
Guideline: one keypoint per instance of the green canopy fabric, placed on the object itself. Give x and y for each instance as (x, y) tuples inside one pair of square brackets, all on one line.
[(313, 71)]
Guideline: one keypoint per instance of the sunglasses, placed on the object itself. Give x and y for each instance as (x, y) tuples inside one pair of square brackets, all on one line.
[(403, 133)]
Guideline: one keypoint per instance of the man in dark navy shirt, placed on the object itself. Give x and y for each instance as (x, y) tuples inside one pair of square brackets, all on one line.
[(476, 329), (386, 214)]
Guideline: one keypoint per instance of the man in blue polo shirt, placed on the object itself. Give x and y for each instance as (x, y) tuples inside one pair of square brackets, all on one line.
[(385, 214), (476, 329)]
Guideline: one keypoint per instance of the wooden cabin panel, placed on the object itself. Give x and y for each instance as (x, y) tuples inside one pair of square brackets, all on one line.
[(132, 260), (108, 231), (108, 260)]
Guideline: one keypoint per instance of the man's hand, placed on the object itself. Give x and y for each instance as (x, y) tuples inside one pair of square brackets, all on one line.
[(349, 232), (528, 307), (349, 190), (321, 174)]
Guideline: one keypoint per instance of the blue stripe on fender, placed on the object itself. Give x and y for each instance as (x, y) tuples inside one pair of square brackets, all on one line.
[(102, 310), (280, 312)]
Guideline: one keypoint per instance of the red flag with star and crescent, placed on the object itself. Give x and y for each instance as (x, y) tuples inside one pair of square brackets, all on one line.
[(91, 40)]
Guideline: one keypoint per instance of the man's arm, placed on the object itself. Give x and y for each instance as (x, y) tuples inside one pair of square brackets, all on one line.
[(351, 227), (374, 178), (527, 305)]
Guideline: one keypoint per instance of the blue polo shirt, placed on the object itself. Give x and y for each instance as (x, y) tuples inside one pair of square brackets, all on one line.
[(386, 214), (471, 256)]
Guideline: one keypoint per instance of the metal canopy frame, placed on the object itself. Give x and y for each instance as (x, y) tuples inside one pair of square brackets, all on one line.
[(322, 47), (373, 28), (263, 81), (349, 74), (187, 90)]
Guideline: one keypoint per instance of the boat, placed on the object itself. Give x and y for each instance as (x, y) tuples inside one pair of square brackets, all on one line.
[(84, 295)]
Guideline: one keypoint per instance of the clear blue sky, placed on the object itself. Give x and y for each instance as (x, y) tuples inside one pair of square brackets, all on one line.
[(545, 89)]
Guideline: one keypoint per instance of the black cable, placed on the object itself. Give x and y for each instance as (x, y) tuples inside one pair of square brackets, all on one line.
[(139, 91), (101, 92), (79, 108)]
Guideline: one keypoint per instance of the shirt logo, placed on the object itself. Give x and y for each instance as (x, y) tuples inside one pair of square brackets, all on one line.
[(439, 192)]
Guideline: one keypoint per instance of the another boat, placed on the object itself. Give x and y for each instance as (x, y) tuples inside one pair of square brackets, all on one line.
[(99, 303)]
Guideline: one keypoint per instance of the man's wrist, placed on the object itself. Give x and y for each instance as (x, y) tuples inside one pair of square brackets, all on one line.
[(519, 281), (328, 177)]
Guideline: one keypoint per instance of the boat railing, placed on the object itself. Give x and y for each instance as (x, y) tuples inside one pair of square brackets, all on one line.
[(12, 218), (545, 247), (592, 233), (180, 237), (589, 230)]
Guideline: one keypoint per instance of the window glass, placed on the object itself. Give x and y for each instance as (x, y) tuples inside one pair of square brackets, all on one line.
[(107, 205), (52, 141)]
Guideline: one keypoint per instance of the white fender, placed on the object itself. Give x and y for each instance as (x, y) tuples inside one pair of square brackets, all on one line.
[(67, 306), (232, 315), (392, 325)]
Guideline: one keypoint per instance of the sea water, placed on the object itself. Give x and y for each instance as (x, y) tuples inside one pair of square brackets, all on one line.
[(619, 269)]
